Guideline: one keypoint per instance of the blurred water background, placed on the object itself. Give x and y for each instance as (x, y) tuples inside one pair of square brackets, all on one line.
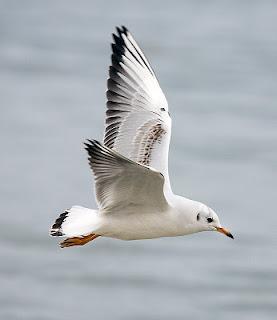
[(216, 62)]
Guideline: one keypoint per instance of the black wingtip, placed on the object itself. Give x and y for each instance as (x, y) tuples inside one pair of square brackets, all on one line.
[(121, 30), (90, 145), (117, 39), (118, 30), (91, 142), (125, 30)]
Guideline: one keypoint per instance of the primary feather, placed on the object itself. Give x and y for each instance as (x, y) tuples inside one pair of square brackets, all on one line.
[(138, 124)]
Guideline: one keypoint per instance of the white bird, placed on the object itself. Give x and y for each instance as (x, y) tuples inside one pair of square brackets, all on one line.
[(132, 185)]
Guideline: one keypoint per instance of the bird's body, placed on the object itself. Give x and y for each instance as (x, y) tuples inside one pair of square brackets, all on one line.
[(133, 222), (132, 185)]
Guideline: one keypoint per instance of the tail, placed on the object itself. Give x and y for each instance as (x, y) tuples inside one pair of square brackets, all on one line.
[(77, 224)]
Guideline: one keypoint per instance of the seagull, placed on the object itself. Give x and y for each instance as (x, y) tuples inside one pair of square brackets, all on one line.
[(130, 167)]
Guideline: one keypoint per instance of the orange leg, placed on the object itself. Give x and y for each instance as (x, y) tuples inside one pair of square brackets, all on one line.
[(78, 241)]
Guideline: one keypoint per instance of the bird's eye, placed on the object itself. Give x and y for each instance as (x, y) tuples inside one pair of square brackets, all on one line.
[(198, 217), (209, 220)]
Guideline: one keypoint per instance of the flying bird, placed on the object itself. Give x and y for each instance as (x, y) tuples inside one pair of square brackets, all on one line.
[(130, 166)]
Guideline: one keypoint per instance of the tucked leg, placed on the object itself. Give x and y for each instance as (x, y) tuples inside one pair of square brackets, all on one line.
[(78, 241)]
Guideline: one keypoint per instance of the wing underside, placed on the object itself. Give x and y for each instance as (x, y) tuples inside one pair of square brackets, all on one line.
[(121, 181), (138, 124)]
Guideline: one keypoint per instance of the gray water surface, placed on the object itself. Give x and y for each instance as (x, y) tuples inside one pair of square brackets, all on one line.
[(216, 61)]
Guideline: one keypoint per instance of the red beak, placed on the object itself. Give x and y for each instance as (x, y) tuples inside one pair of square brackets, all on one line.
[(226, 232)]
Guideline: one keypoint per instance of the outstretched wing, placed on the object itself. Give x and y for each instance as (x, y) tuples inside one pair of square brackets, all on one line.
[(119, 180), (138, 124)]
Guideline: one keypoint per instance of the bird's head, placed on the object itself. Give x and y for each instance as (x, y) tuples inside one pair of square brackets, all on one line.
[(209, 221)]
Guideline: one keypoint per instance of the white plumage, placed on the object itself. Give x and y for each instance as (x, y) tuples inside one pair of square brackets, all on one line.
[(132, 183)]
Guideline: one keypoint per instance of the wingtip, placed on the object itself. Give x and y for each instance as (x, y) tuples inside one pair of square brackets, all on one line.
[(118, 30), (91, 143), (125, 30), (121, 29), (87, 144), (116, 38)]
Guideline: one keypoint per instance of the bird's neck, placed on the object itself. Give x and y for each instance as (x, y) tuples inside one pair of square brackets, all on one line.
[(185, 212)]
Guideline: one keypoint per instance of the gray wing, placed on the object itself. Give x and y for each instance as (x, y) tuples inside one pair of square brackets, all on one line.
[(121, 181)]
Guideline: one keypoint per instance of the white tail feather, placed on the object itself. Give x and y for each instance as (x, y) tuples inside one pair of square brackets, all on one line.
[(75, 222)]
